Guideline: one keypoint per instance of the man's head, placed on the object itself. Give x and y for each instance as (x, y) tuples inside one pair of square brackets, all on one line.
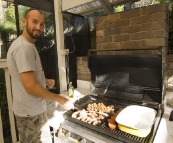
[(33, 23)]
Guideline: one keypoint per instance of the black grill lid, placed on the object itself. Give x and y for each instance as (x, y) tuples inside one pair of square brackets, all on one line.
[(140, 75)]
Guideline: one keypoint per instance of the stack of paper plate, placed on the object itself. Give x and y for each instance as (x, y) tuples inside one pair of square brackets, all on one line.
[(136, 120)]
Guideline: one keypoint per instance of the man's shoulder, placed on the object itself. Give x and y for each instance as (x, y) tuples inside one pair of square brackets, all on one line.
[(17, 42), (20, 42)]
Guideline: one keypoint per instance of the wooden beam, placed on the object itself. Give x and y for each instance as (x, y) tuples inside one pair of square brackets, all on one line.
[(107, 6), (3, 63), (90, 10), (68, 4), (9, 0)]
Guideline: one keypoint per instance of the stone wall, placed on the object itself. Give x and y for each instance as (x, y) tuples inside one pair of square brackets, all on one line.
[(141, 29)]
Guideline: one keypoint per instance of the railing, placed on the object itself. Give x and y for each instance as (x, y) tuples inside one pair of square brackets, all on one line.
[(3, 64)]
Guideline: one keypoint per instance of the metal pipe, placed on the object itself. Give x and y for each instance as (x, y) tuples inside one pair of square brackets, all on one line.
[(131, 49), (17, 17)]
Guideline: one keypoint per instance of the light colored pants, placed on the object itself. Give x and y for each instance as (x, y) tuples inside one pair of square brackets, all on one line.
[(34, 129)]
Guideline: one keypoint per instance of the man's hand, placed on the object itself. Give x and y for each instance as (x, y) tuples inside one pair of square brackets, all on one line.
[(50, 83), (67, 104)]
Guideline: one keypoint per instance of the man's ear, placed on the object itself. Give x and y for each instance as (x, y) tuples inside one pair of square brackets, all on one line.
[(24, 22)]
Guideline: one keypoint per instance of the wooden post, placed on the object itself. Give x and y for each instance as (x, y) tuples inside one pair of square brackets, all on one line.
[(60, 45), (3, 64), (9, 98)]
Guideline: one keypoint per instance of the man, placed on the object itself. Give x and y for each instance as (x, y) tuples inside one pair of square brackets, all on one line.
[(28, 82)]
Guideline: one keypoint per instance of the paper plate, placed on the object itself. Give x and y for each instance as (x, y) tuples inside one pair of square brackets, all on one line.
[(135, 132), (136, 117)]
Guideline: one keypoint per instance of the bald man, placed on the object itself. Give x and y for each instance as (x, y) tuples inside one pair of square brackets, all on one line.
[(29, 82)]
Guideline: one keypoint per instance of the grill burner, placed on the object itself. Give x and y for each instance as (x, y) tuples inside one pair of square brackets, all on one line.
[(122, 81)]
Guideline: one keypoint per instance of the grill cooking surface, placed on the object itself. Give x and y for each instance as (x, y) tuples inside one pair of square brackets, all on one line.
[(122, 135), (103, 127)]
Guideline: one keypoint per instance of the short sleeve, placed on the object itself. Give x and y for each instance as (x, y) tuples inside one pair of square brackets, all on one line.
[(25, 57)]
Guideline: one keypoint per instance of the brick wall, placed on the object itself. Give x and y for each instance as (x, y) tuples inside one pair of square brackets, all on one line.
[(140, 28), (83, 72)]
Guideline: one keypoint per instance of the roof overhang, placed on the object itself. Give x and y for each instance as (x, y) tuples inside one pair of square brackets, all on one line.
[(74, 6)]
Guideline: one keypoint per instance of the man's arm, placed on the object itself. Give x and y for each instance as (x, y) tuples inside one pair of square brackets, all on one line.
[(33, 88)]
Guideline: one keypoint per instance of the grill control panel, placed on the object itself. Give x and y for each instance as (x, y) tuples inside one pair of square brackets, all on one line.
[(71, 137), (73, 133)]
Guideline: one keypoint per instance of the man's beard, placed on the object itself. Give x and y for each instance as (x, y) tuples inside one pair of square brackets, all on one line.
[(31, 33)]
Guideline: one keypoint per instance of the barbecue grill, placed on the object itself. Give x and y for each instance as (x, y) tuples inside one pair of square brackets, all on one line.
[(119, 80)]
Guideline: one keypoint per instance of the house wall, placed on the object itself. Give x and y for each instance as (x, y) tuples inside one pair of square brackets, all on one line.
[(141, 29), (83, 72), (169, 72)]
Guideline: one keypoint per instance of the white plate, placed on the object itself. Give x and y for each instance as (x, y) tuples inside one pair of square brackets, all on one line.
[(137, 117)]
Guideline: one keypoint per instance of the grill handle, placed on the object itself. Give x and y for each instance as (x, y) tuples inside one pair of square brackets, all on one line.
[(159, 48), (151, 104)]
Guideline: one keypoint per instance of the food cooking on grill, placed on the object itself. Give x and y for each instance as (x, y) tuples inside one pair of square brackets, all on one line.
[(91, 117), (111, 123), (112, 126), (111, 120), (113, 117), (100, 107)]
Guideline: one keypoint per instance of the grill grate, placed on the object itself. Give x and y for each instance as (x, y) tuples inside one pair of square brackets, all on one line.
[(118, 132), (125, 87)]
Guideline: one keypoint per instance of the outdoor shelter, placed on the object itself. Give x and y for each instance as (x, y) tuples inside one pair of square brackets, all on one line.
[(58, 8)]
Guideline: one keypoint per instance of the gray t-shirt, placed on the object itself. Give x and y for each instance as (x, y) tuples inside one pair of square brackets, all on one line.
[(22, 56)]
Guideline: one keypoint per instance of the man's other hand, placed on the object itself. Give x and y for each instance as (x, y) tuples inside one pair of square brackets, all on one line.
[(50, 83)]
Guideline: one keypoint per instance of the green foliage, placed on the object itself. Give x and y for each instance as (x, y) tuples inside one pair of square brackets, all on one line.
[(10, 13), (9, 19), (7, 26), (118, 8), (21, 12)]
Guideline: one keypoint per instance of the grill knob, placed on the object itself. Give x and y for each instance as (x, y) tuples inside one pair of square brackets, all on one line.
[(83, 141), (68, 134)]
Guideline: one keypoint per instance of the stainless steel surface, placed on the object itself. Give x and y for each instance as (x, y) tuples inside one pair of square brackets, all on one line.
[(79, 133)]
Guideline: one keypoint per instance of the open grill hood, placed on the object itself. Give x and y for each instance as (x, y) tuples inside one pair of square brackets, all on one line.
[(141, 76)]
